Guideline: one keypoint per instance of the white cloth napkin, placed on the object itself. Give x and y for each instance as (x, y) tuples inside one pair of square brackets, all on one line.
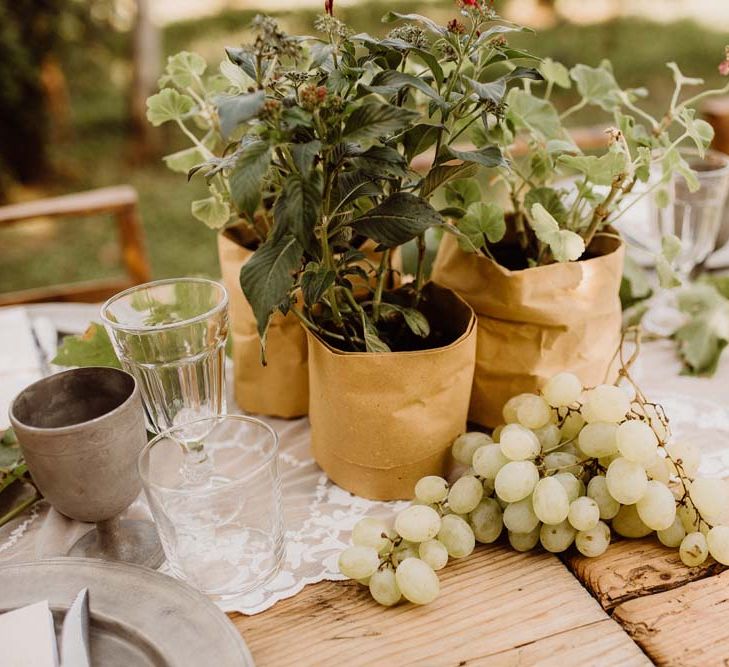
[(28, 638)]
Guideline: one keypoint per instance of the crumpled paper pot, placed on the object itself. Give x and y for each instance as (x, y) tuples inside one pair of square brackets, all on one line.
[(281, 388), (381, 421), (536, 322)]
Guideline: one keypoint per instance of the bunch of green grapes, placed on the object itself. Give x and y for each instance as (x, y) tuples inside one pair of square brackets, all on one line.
[(567, 465)]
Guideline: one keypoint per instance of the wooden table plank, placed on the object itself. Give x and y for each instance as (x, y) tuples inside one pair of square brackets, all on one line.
[(633, 568), (685, 627), (495, 601)]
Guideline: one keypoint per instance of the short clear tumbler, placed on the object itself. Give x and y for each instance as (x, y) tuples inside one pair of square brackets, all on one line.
[(170, 334), (217, 503)]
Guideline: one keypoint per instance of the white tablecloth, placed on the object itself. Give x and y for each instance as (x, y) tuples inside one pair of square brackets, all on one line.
[(319, 515)]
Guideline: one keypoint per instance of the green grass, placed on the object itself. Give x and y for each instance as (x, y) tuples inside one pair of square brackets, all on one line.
[(99, 152)]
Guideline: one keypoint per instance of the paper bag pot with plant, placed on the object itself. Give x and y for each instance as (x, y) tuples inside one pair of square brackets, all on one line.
[(543, 272), (382, 420)]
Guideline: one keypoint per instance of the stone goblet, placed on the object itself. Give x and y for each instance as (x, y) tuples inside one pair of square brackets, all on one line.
[(80, 432)]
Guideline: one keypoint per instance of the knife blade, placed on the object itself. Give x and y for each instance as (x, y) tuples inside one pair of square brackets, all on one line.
[(75, 633)]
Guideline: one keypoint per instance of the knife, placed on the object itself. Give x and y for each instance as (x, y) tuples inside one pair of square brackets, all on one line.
[(75, 633)]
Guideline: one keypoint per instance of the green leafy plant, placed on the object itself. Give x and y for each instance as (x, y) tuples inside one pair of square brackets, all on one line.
[(559, 197), (314, 139)]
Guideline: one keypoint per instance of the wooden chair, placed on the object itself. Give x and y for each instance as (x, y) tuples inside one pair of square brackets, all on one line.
[(121, 202)]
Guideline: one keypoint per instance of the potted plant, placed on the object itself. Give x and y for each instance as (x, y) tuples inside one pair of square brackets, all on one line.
[(328, 137), (543, 271)]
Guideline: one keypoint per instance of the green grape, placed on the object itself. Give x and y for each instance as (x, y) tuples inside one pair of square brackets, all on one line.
[(657, 507), (710, 497), (417, 581), (584, 514), (519, 517), (434, 554), (518, 443), (486, 521), (637, 442), (533, 412), (358, 562), (659, 469), (562, 390), (605, 403), (598, 439), (628, 523), (717, 540), (694, 549), (562, 461), (496, 433), (550, 501), (466, 444), (384, 588), (509, 411), (516, 480), (549, 437), (431, 489), (690, 519), (404, 551), (673, 535), (598, 491), (369, 532), (686, 454), (557, 537), (571, 426), (417, 523), (525, 541), (626, 481), (488, 460), (457, 536), (571, 484), (593, 542), (465, 494)]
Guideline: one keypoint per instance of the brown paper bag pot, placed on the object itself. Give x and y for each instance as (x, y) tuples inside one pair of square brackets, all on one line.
[(281, 388), (536, 322), (380, 422)]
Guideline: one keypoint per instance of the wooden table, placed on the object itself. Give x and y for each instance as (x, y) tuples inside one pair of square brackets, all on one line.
[(637, 605)]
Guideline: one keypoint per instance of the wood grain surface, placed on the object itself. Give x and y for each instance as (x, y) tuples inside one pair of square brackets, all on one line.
[(497, 607)]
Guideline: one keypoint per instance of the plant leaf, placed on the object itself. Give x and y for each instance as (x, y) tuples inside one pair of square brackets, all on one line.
[(700, 132), (483, 220), (431, 25), (488, 156), (375, 119), (315, 282), (597, 85), (556, 73), (599, 170), (91, 348), (400, 218), (182, 161), (168, 105), (566, 246), (390, 82), (373, 342), (213, 211), (184, 67), (236, 109), (705, 334), (247, 176), (297, 207), (444, 173), (267, 277), (528, 112), (550, 199)]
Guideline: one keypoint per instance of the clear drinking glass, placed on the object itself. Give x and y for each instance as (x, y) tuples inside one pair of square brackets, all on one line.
[(695, 217), (217, 505), (170, 334)]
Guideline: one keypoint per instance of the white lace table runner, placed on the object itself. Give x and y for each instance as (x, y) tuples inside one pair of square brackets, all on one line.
[(319, 515)]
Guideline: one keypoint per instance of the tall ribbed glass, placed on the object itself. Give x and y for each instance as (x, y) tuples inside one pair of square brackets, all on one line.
[(170, 335), (217, 503)]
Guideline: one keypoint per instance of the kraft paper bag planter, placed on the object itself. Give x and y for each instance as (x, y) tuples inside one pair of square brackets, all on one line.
[(536, 322), (381, 421), (281, 388)]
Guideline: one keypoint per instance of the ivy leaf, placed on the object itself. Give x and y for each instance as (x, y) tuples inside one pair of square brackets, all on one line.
[(671, 247), (247, 176), (463, 192), (599, 170), (444, 173), (401, 217), (597, 85), (236, 109), (168, 105), (375, 119), (566, 246), (267, 277), (482, 219), (550, 199), (635, 285), (488, 156), (213, 211), (184, 68), (91, 348), (673, 163), (555, 73), (528, 112), (182, 161), (700, 132)]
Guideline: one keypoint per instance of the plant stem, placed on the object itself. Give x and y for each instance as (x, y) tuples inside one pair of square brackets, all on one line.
[(201, 147), (573, 109), (420, 270), (601, 210)]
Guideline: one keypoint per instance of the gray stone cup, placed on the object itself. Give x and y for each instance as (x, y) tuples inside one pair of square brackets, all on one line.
[(80, 432)]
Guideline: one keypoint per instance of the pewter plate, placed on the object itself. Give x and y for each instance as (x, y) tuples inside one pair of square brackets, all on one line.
[(138, 617)]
